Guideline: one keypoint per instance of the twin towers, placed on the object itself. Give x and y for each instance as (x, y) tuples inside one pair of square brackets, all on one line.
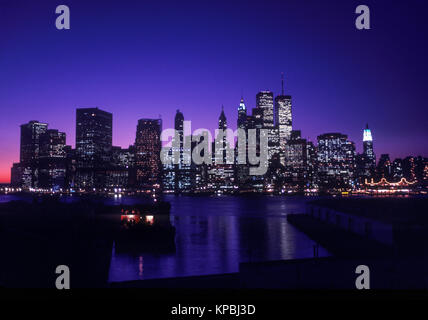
[(256, 140)]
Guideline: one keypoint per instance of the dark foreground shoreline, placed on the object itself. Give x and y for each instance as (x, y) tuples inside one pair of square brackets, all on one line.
[(37, 237)]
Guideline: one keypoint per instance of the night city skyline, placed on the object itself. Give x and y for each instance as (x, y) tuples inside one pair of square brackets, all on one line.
[(214, 158), (139, 65)]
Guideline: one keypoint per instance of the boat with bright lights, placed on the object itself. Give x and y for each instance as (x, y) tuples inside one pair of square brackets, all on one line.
[(145, 229)]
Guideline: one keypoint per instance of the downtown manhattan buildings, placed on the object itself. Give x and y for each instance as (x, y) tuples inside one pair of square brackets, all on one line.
[(293, 164)]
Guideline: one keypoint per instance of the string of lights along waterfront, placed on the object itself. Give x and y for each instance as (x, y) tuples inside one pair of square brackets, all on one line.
[(295, 165)]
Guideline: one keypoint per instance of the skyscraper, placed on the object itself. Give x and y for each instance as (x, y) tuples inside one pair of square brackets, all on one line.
[(25, 173), (296, 159), (21, 176), (397, 169), (311, 168), (421, 170), (245, 122), (242, 115), (264, 101), (120, 174), (168, 172), (179, 123), (52, 144), (94, 131), (408, 167), (336, 160), (256, 120), (368, 147), (283, 119), (42, 156), (222, 121), (221, 145), (366, 162), (384, 169), (183, 174), (221, 173), (52, 160), (147, 154), (30, 140)]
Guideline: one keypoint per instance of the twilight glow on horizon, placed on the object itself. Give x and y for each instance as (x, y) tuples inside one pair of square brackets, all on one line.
[(145, 59)]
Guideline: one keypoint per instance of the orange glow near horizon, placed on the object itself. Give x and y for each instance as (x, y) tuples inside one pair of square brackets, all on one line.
[(6, 161), (4, 175)]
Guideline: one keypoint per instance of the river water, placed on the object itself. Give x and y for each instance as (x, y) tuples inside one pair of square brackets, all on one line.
[(214, 234)]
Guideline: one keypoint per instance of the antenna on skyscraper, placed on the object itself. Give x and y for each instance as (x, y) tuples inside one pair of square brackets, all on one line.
[(282, 83)]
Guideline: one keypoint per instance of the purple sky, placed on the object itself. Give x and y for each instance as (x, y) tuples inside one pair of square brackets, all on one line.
[(142, 59)]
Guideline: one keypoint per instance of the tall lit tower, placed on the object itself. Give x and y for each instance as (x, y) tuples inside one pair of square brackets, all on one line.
[(52, 165), (245, 122), (221, 145), (179, 122), (182, 174), (264, 101), (368, 147), (179, 128), (147, 157), (170, 170), (222, 122), (283, 116), (30, 140), (242, 114), (94, 131)]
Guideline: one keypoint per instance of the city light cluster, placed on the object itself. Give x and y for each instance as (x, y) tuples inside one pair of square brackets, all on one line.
[(265, 154)]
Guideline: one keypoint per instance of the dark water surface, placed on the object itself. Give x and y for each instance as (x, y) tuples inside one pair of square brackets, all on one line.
[(214, 235)]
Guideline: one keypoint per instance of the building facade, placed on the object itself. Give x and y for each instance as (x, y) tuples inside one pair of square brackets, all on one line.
[(52, 160), (336, 161), (147, 154), (283, 120), (94, 132)]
